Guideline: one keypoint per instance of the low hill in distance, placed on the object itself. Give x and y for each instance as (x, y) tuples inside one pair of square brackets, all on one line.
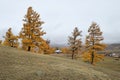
[(21, 65), (113, 46)]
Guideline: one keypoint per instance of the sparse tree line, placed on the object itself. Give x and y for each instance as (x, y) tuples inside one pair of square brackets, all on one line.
[(93, 44), (31, 39), (30, 35)]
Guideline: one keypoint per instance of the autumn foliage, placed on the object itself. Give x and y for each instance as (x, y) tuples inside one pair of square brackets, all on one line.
[(93, 44), (10, 39), (65, 50), (45, 47), (31, 37), (74, 41), (31, 33)]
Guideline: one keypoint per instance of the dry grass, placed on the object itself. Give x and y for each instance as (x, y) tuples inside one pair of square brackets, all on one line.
[(21, 65), (110, 66)]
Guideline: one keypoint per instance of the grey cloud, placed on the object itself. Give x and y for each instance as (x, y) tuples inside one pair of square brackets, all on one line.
[(61, 16)]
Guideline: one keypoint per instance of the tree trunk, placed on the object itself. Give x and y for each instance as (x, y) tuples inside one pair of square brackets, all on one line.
[(12, 44), (93, 43), (92, 57), (29, 47), (73, 54)]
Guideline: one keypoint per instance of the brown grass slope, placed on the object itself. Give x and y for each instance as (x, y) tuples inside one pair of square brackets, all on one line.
[(21, 65)]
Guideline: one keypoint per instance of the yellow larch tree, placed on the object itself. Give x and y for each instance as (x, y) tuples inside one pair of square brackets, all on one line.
[(93, 44), (10, 39), (45, 47), (75, 42), (65, 50), (31, 33)]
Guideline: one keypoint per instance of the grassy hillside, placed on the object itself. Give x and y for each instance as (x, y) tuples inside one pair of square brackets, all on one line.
[(21, 65)]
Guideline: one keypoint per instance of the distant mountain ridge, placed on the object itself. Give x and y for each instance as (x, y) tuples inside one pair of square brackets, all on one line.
[(59, 45), (113, 46)]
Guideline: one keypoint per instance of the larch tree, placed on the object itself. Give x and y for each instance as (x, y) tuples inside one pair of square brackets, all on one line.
[(65, 50), (31, 33), (75, 42), (45, 47), (10, 39), (93, 44)]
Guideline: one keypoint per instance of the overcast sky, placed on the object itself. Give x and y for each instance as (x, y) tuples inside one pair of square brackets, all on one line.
[(61, 16)]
